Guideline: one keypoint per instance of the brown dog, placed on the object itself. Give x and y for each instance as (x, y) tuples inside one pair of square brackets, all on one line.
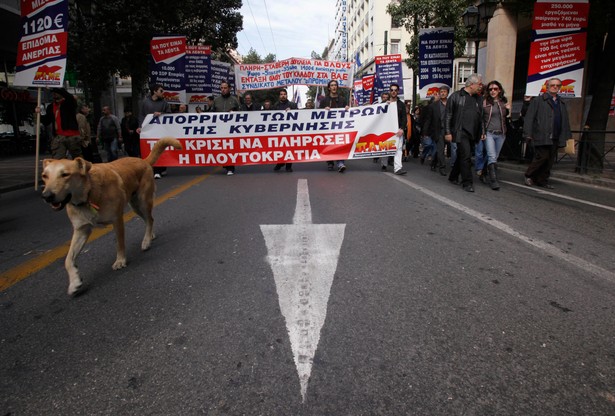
[(97, 194)]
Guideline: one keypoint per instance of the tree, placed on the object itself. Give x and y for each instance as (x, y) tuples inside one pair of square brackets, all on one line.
[(114, 36), (419, 14)]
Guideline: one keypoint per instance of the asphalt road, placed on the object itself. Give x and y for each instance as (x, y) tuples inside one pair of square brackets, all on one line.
[(435, 302)]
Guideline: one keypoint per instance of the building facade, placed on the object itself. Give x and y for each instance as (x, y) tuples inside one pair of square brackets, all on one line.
[(364, 30)]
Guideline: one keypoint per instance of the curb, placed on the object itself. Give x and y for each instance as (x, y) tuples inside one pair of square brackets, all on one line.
[(568, 176)]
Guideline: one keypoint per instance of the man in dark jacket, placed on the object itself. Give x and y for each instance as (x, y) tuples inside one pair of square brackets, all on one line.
[(432, 127), (129, 134), (154, 104), (547, 126), (61, 114), (284, 104), (109, 133), (248, 104), (463, 125)]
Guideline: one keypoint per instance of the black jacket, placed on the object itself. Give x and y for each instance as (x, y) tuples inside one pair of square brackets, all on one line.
[(335, 102), (432, 124), (454, 109), (538, 122), (284, 106), (402, 116)]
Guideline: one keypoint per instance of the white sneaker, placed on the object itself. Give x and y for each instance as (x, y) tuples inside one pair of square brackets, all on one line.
[(230, 173), (157, 176)]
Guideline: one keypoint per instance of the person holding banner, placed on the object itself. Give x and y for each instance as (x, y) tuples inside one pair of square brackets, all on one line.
[(400, 136), (547, 126), (225, 103), (333, 100), (61, 114), (154, 104), (248, 104), (463, 125), (284, 105)]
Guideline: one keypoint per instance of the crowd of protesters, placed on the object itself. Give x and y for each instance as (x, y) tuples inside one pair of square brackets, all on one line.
[(468, 126)]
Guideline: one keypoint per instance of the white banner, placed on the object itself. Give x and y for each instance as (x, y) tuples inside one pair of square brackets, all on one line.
[(265, 137), (293, 71)]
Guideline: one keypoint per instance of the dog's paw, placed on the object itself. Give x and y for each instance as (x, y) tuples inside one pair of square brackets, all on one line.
[(74, 288), (119, 264), (145, 245)]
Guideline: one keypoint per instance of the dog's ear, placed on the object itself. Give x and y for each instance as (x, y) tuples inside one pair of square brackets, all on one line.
[(83, 166), (46, 162)]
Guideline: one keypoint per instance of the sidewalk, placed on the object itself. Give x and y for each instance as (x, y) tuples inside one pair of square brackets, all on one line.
[(565, 170), (17, 172)]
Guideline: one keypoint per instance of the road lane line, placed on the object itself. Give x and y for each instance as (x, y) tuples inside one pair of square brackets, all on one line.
[(570, 198), (303, 258), (548, 248), (20, 272)]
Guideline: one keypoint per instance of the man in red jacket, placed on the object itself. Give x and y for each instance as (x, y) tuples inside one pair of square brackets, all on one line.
[(62, 115)]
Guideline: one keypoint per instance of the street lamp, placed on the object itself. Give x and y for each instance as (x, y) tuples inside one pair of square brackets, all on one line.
[(473, 17)]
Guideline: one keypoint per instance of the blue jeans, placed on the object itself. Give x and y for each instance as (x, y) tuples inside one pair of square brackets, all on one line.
[(453, 153), (479, 158), (111, 147), (429, 148), (494, 143)]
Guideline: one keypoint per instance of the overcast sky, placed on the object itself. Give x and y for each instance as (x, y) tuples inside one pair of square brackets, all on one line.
[(294, 28)]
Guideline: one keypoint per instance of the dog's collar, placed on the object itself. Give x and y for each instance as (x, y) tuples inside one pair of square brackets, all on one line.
[(92, 206)]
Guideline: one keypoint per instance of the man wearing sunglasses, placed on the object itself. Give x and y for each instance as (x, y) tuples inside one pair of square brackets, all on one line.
[(400, 108), (547, 127)]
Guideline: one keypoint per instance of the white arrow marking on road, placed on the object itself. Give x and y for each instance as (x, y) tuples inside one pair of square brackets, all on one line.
[(303, 258)]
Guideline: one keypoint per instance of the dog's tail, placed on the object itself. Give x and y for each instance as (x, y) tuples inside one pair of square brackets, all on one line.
[(160, 147)]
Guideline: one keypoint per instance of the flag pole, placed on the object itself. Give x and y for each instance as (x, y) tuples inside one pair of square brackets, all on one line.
[(38, 136)]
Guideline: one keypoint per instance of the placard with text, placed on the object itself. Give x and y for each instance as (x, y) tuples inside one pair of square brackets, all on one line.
[(43, 44)]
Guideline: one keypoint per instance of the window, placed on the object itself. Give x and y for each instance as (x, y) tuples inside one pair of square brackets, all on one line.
[(465, 70), (394, 47)]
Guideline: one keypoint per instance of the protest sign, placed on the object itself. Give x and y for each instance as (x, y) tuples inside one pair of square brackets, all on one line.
[(43, 43), (168, 66), (266, 137), (388, 71), (558, 46), (364, 90), (436, 55), (221, 71), (293, 71), (198, 73)]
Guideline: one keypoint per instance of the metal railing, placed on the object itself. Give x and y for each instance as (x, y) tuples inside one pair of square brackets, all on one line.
[(595, 151)]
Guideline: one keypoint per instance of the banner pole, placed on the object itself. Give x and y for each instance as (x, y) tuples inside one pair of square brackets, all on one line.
[(38, 136)]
